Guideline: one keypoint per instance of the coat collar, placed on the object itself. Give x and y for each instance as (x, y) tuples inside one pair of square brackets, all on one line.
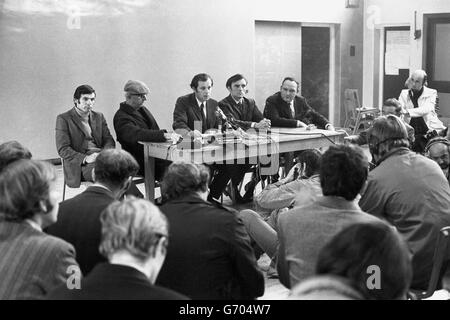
[(338, 203), (76, 119), (93, 122), (190, 198)]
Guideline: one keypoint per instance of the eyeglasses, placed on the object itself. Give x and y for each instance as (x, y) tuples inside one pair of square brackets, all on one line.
[(140, 95)]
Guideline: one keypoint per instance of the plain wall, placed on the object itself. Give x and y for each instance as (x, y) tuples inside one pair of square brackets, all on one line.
[(163, 43)]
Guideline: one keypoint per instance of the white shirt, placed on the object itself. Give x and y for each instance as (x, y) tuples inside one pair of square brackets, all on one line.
[(200, 106), (291, 105)]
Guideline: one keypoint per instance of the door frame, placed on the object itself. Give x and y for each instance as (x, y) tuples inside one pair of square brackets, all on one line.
[(333, 94)]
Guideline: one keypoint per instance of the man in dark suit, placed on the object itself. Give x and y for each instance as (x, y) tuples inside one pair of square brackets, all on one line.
[(134, 240), (243, 113), (209, 254), (133, 122), (79, 218), (196, 112), (288, 109), (81, 134)]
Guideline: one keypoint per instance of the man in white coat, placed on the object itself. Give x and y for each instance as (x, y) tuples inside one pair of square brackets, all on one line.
[(419, 103)]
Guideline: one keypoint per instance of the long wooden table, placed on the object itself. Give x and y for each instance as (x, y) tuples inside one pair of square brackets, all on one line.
[(261, 150)]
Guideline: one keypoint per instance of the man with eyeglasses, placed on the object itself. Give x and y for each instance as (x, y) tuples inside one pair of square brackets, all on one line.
[(133, 122)]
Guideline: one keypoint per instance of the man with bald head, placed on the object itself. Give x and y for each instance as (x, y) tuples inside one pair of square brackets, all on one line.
[(133, 122), (420, 104)]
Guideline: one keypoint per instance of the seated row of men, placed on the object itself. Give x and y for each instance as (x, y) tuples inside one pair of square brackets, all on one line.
[(211, 260), (213, 257), (406, 189), (81, 132)]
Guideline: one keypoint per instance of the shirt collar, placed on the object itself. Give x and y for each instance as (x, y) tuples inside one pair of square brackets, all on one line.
[(238, 101), (199, 103), (33, 224)]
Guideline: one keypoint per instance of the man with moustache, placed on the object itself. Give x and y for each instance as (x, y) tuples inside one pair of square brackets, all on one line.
[(81, 133), (438, 150)]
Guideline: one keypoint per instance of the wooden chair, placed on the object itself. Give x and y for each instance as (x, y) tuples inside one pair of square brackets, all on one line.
[(355, 114), (440, 259)]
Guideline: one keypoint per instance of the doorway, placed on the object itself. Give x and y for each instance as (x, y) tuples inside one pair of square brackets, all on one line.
[(396, 59), (288, 49), (436, 50)]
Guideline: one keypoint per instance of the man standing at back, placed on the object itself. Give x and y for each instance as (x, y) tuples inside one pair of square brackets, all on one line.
[(409, 191), (79, 218), (81, 133), (133, 122), (196, 111)]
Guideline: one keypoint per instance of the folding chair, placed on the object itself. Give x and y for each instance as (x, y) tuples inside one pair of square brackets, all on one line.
[(440, 259), (355, 115)]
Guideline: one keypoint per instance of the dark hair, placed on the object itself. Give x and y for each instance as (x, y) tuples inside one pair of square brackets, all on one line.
[(389, 130), (23, 184), (200, 77), (291, 79), (235, 78), (83, 89), (11, 151), (359, 250), (184, 178), (343, 171), (113, 167), (311, 159), (392, 102)]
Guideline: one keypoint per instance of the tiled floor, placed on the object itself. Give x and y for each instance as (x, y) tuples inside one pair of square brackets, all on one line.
[(274, 289)]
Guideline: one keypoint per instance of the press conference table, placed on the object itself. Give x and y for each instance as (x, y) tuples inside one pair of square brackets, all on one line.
[(260, 149)]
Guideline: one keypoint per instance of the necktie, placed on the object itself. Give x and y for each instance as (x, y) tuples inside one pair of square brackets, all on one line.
[(203, 113), (292, 110)]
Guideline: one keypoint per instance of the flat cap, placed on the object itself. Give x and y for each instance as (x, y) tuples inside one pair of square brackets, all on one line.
[(136, 87)]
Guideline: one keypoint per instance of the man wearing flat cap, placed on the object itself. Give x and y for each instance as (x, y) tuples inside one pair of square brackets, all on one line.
[(133, 122), (81, 133)]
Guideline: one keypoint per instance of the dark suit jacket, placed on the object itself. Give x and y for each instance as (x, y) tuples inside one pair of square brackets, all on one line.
[(72, 144), (131, 127), (242, 116), (79, 224), (209, 254), (115, 282), (279, 112), (32, 263), (187, 112)]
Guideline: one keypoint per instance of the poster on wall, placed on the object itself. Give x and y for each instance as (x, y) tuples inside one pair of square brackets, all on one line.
[(397, 54)]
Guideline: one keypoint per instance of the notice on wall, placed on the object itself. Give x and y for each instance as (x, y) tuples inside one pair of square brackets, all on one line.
[(398, 49)]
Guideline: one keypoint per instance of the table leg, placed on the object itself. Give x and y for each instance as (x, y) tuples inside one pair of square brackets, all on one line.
[(149, 170)]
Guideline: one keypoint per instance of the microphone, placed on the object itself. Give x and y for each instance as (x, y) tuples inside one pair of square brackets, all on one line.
[(220, 113)]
